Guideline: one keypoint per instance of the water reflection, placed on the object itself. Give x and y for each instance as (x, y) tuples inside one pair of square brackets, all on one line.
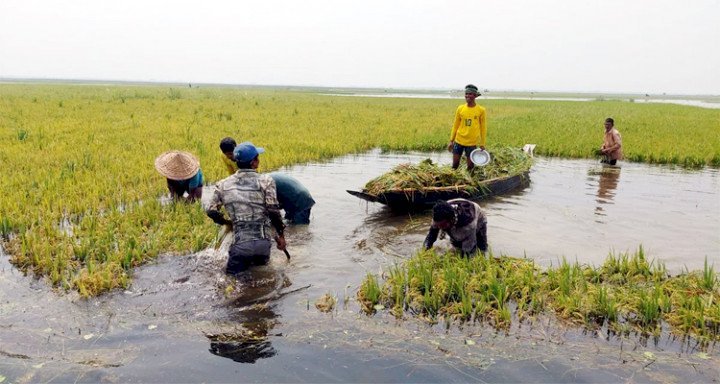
[(607, 184), (249, 343), (251, 308)]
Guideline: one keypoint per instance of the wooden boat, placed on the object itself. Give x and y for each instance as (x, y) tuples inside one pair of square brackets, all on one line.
[(425, 198)]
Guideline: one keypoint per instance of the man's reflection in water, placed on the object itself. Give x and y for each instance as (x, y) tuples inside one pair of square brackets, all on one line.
[(607, 183), (251, 308), (249, 343)]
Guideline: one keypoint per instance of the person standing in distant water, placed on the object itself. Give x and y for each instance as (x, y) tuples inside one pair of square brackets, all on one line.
[(183, 174), (611, 150), (469, 128), (227, 146)]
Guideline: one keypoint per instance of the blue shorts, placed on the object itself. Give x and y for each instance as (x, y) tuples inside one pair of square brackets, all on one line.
[(459, 149)]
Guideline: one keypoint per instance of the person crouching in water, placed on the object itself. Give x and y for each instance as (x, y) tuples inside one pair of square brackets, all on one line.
[(250, 200), (463, 221), (182, 170)]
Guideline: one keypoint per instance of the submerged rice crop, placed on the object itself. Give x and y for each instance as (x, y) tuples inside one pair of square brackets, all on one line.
[(626, 292), (82, 204)]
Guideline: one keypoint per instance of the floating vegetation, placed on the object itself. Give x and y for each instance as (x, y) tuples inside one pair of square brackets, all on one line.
[(426, 175), (326, 303), (628, 292)]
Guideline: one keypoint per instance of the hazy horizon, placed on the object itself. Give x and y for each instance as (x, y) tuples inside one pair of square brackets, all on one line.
[(610, 47)]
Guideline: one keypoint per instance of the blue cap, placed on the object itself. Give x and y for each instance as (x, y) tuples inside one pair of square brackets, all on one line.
[(246, 151)]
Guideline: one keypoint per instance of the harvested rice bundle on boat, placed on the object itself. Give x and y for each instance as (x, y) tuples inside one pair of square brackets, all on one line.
[(426, 175), (506, 161)]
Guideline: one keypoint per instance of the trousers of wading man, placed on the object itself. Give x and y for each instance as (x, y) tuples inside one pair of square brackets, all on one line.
[(246, 254)]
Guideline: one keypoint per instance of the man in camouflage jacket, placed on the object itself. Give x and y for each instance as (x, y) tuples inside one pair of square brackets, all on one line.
[(250, 200)]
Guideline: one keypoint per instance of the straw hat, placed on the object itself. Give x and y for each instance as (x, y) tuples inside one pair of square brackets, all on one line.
[(177, 165)]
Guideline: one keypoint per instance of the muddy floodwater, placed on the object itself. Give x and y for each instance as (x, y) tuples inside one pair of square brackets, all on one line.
[(182, 320)]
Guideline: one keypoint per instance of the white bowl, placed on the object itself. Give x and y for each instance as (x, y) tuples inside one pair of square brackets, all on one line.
[(480, 157)]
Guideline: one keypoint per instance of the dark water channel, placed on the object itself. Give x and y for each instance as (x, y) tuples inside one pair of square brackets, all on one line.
[(182, 320)]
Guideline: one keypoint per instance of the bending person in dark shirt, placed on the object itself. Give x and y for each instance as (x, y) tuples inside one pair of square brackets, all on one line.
[(463, 221), (294, 198), (182, 170)]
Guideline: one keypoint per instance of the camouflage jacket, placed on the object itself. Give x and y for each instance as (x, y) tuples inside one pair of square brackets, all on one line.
[(250, 200)]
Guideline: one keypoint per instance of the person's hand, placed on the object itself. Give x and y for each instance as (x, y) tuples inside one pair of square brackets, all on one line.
[(482, 147), (281, 245), (450, 146)]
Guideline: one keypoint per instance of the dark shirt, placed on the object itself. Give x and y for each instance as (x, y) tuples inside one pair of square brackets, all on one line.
[(291, 194), (181, 186), (468, 220)]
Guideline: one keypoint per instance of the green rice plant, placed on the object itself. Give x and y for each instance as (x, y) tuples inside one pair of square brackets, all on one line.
[(649, 308), (22, 134), (398, 286), (466, 309), (369, 293), (627, 267), (709, 277), (606, 306), (503, 318), (6, 228)]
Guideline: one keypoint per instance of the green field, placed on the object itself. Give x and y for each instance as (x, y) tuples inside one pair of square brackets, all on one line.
[(80, 195)]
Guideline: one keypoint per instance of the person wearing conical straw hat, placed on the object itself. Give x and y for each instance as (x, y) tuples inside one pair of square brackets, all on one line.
[(183, 174), (250, 200), (469, 128)]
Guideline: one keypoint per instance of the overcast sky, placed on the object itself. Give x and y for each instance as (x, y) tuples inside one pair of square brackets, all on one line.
[(646, 46)]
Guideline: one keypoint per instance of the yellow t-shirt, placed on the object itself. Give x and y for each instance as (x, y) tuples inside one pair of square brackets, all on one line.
[(470, 127), (229, 164)]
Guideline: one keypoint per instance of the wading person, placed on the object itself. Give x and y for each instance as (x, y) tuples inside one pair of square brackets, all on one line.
[(227, 146), (611, 149), (294, 198), (464, 223), (250, 201), (469, 128), (183, 174)]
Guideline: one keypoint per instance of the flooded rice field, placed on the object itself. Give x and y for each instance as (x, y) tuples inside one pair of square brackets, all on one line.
[(183, 320)]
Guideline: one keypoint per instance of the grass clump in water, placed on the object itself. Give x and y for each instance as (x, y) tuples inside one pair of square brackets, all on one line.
[(627, 292)]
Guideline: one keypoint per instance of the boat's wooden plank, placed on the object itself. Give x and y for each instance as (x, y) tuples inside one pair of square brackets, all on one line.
[(364, 196)]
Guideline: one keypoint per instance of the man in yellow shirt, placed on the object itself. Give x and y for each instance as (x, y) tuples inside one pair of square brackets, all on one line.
[(469, 129)]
